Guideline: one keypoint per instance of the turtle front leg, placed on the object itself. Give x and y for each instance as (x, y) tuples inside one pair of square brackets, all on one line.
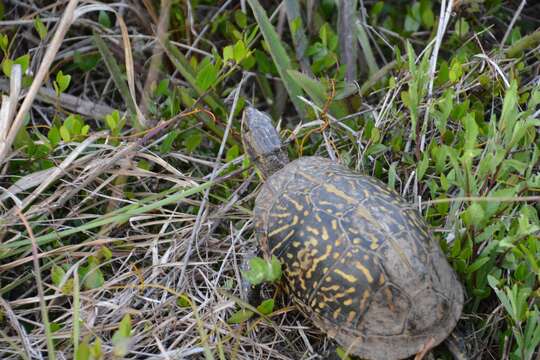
[(425, 349), (455, 344)]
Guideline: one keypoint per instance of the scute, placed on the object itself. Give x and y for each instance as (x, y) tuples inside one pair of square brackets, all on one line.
[(357, 259)]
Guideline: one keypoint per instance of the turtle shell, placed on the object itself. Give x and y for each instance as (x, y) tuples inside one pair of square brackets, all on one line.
[(357, 259)]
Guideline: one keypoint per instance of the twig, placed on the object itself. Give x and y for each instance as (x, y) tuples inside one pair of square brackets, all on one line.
[(27, 347), (514, 19), (347, 37), (444, 18), (9, 103), (39, 285), (69, 102), (157, 54)]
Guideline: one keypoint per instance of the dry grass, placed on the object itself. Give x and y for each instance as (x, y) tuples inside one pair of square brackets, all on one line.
[(181, 229), (189, 247)]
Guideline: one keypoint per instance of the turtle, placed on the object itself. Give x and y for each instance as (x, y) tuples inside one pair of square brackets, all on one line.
[(357, 258)]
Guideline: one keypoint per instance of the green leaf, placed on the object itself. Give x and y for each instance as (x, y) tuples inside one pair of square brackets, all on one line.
[(94, 279), (4, 43), (163, 88), (314, 88), (256, 273), (64, 133), (166, 145), (471, 132), (274, 269), (477, 264), (240, 51), (74, 124), (375, 149), (183, 301), (266, 307), (428, 18), (422, 166), (279, 55), (240, 18), (193, 141), (516, 165), (6, 66), (455, 71), (444, 106), (104, 19), (245, 165), (521, 129), (24, 140), (509, 113), (92, 275), (228, 53), (462, 27), (206, 77), (232, 153), (105, 253), (240, 316), (296, 24), (57, 274), (83, 352), (392, 175), (474, 214), (40, 28), (261, 270), (122, 337), (143, 164), (62, 82), (124, 329), (24, 61), (96, 351), (85, 62), (111, 121), (411, 24), (54, 136)]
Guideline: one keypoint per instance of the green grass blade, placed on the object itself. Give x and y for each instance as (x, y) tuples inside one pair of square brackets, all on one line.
[(299, 38), (317, 92), (279, 55), (366, 48), (76, 312), (119, 79), (314, 88), (119, 216)]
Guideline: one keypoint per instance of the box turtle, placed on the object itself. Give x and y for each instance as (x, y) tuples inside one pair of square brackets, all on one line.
[(357, 259)]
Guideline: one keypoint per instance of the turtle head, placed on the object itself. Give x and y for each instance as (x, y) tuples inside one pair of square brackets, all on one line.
[(261, 142)]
